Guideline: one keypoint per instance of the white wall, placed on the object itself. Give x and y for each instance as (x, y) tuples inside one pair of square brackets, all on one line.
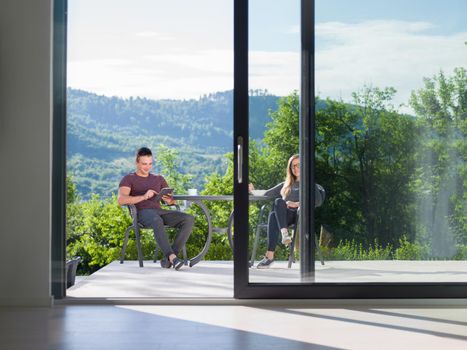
[(25, 151)]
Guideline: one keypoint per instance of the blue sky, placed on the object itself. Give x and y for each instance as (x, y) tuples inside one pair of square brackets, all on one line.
[(183, 48), (449, 15)]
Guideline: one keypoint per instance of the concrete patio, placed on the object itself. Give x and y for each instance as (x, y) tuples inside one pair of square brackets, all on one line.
[(214, 279)]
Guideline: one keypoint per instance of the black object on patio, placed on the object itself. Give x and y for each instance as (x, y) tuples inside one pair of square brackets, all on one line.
[(71, 267)]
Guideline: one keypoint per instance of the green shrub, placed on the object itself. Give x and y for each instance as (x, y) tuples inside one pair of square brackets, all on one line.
[(345, 250), (410, 251), (95, 231), (352, 251), (378, 252), (461, 252)]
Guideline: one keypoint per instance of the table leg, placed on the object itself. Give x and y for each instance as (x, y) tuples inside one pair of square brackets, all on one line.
[(205, 249), (229, 230)]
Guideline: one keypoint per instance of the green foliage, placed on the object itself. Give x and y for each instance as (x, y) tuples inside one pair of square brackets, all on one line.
[(410, 251), (351, 250), (268, 159), (440, 180), (282, 136), (71, 191), (95, 231), (219, 248), (170, 167), (364, 160), (220, 210), (104, 132), (461, 252)]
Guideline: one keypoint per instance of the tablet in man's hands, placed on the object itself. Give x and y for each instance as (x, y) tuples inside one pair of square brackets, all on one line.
[(165, 191)]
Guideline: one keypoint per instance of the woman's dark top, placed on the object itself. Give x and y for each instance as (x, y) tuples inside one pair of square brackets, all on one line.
[(294, 194)]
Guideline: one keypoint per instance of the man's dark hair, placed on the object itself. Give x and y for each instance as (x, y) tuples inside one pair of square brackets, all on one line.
[(142, 152)]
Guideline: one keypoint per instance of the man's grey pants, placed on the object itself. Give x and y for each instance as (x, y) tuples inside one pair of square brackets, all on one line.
[(157, 218)]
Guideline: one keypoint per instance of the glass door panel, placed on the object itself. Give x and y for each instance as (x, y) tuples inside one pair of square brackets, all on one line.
[(390, 148), (274, 80), (388, 136)]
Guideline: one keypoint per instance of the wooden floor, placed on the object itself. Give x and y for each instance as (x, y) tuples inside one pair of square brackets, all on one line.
[(214, 279), (232, 327)]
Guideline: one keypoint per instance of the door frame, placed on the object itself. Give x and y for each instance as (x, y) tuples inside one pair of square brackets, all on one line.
[(242, 287), (58, 211)]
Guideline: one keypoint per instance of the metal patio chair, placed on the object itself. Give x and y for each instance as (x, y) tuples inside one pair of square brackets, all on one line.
[(262, 226), (136, 226)]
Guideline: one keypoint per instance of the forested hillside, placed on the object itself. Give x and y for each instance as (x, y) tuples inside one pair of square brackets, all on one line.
[(104, 132)]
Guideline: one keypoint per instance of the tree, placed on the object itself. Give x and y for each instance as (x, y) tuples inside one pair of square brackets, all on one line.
[(281, 138), (71, 191), (441, 177), (364, 156), (170, 169)]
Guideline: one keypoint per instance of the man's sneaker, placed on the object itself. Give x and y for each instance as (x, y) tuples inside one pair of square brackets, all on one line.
[(165, 263), (265, 263), (286, 239)]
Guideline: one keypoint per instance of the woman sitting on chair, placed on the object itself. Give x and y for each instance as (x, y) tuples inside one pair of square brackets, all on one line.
[(284, 211)]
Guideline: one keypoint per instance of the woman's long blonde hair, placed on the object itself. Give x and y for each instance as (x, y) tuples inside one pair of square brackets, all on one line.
[(290, 178)]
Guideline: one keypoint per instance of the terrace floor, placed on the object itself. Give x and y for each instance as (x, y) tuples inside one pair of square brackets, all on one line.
[(214, 279), (233, 327)]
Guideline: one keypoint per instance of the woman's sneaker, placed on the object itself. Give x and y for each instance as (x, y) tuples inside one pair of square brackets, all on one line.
[(286, 239), (177, 263), (265, 263)]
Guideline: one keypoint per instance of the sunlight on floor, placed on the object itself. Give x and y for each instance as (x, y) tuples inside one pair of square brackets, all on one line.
[(357, 328)]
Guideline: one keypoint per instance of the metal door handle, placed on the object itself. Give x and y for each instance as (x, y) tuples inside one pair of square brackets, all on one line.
[(239, 159)]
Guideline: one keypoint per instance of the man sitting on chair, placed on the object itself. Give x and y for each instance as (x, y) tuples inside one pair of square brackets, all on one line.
[(140, 188)]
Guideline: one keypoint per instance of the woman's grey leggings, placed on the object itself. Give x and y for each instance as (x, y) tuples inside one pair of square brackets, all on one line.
[(279, 217)]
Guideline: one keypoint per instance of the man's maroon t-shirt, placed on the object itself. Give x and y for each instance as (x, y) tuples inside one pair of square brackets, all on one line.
[(140, 185)]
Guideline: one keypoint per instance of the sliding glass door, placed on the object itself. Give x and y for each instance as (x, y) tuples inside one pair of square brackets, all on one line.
[(274, 252), (354, 185)]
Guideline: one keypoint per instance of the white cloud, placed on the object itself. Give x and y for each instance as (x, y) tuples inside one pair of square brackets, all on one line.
[(156, 35), (205, 61), (148, 34), (166, 75), (348, 56), (382, 53), (278, 72), (294, 29), (184, 75)]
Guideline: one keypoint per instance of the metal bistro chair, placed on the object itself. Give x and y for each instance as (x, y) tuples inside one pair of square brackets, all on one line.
[(263, 226), (136, 226), (294, 227)]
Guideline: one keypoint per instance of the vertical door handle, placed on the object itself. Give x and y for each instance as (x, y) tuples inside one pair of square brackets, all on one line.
[(239, 159)]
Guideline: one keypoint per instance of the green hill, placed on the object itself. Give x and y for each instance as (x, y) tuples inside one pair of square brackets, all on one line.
[(104, 132)]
